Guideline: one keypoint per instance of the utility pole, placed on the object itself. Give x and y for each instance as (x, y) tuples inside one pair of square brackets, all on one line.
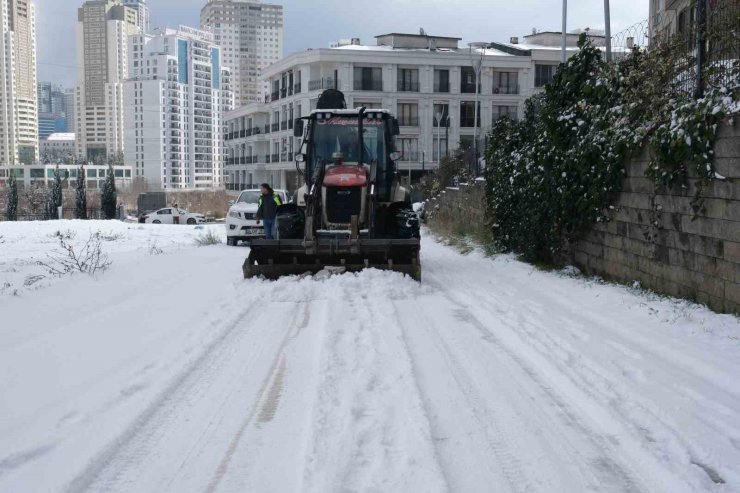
[(607, 31), (701, 25), (477, 62), (439, 142), (563, 56)]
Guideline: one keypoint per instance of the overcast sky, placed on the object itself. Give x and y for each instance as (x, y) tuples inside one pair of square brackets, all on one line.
[(317, 23)]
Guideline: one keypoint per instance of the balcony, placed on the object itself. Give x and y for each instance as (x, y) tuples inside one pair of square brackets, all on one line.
[(297, 88), (323, 83), (368, 85), (510, 89), (267, 128), (275, 127), (267, 158), (274, 96), (283, 125), (468, 88), (283, 92), (442, 87), (410, 157), (409, 121), (408, 86), (275, 158)]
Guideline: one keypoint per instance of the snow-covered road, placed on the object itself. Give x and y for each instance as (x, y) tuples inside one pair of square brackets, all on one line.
[(170, 373)]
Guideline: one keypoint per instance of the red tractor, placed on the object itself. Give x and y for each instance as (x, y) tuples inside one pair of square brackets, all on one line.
[(352, 211)]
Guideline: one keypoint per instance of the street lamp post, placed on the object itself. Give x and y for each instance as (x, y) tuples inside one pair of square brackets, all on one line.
[(477, 63), (563, 56), (447, 137), (438, 115)]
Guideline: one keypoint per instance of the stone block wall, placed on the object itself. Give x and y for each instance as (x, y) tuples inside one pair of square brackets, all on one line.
[(655, 238)]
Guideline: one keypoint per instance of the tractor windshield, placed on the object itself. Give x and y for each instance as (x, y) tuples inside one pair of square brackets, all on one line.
[(339, 134)]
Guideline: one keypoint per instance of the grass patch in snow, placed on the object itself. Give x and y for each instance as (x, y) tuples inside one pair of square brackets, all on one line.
[(208, 238)]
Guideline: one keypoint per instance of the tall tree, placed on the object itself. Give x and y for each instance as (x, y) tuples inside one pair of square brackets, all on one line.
[(81, 194), (54, 196), (11, 204), (108, 196)]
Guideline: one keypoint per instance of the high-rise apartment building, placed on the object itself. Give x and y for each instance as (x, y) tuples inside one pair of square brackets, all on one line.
[(18, 113), (55, 110), (251, 35), (142, 9), (176, 97), (103, 30)]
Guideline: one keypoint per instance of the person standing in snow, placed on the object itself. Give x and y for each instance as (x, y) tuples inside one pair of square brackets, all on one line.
[(268, 202), (176, 214)]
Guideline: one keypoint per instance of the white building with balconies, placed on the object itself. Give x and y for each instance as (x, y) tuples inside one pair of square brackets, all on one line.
[(175, 99), (428, 83)]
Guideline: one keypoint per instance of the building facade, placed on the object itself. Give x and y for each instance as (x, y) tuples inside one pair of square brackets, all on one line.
[(176, 97), (142, 11), (54, 110), (43, 175), (427, 82), (57, 148), (103, 31), (251, 36), (18, 106)]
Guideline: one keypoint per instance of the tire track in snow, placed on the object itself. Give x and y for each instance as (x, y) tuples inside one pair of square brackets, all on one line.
[(621, 407), (266, 399), (369, 432), (111, 465), (588, 382), (507, 467)]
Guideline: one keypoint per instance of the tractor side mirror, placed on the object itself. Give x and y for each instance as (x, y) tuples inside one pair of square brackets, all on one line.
[(395, 129), (298, 128)]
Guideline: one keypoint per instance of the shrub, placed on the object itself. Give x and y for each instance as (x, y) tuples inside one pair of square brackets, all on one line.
[(208, 238), (69, 258), (553, 174)]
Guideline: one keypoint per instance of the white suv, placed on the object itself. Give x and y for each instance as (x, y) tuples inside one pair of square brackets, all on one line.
[(241, 221)]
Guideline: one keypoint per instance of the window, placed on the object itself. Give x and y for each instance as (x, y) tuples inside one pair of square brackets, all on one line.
[(467, 113), (440, 146), (409, 147), (501, 111), (408, 80), (441, 110), (368, 79), (505, 83), (408, 114), (467, 80), (543, 74), (441, 80)]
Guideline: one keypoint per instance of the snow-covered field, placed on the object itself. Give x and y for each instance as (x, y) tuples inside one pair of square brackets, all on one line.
[(171, 373)]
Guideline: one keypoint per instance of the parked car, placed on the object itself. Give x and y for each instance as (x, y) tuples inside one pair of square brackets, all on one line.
[(241, 221), (165, 216)]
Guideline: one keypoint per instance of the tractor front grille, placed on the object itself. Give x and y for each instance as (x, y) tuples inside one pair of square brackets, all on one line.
[(342, 203)]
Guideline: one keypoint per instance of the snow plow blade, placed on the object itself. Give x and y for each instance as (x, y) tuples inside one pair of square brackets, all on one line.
[(273, 259)]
